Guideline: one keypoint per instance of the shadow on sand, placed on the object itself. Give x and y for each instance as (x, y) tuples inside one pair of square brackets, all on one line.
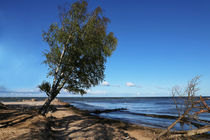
[(11, 117), (83, 127), (78, 126)]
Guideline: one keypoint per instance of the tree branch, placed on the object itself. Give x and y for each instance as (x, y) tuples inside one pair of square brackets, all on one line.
[(192, 132)]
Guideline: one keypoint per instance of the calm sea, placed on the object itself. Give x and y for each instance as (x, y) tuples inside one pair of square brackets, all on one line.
[(136, 108)]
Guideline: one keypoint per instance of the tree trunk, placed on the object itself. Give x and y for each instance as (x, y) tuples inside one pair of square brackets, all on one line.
[(44, 109), (192, 132)]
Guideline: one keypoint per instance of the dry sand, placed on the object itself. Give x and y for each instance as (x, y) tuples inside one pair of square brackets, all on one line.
[(20, 123)]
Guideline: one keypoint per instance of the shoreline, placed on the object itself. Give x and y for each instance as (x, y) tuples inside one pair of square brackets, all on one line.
[(65, 121), (69, 116)]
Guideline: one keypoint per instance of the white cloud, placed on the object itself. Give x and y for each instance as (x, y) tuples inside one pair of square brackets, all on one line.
[(5, 90), (130, 84), (27, 90), (21, 93), (105, 83), (96, 92)]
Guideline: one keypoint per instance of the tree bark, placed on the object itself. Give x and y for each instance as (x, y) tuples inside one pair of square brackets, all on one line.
[(192, 132), (45, 108)]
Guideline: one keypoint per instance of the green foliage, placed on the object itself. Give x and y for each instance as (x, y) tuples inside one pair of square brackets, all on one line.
[(78, 49), (45, 87)]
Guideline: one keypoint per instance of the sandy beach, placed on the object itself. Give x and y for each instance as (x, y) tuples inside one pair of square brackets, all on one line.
[(20, 120)]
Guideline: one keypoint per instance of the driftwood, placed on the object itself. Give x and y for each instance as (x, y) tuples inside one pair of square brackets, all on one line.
[(173, 124), (203, 108), (194, 122), (191, 132), (188, 107)]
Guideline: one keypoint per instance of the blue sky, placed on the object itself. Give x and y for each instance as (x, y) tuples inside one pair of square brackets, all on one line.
[(161, 44)]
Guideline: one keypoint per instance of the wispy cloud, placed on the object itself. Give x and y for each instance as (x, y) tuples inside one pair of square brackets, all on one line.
[(27, 90), (5, 92), (162, 88), (105, 83), (158, 87), (130, 84), (3, 89), (97, 92)]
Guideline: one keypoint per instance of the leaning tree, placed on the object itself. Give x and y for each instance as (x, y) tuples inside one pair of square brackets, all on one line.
[(78, 49)]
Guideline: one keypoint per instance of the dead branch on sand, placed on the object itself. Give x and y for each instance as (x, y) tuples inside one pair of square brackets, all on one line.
[(187, 110), (191, 132)]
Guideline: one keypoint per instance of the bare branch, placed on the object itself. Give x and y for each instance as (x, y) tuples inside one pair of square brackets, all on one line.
[(187, 108)]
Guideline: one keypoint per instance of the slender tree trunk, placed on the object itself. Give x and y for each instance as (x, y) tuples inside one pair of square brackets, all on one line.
[(44, 109), (54, 92)]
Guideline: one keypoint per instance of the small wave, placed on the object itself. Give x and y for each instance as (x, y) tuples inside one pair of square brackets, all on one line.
[(153, 115), (84, 106)]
